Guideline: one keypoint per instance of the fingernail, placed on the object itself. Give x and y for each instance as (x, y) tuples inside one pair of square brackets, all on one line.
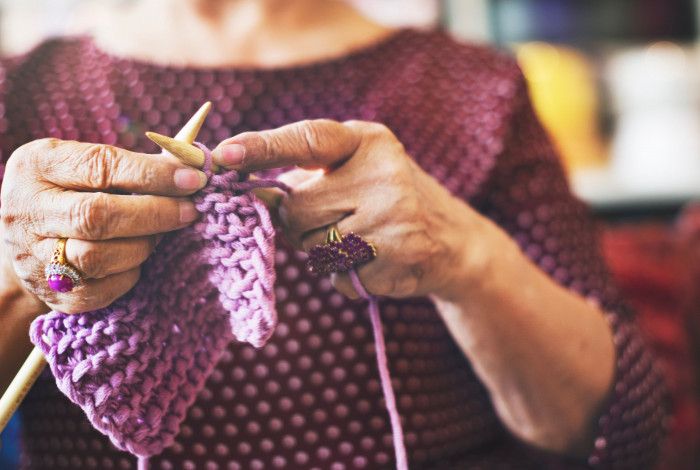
[(190, 179), (188, 213), (229, 155)]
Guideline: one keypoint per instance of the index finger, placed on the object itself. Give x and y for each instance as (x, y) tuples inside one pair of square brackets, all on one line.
[(104, 216), (318, 143), (97, 167)]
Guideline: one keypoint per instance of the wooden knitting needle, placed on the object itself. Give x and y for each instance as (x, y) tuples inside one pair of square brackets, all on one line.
[(186, 152), (20, 385), (194, 156), (191, 129), (35, 362)]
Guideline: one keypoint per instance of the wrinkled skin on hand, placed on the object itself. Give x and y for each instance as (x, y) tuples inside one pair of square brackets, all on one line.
[(111, 204)]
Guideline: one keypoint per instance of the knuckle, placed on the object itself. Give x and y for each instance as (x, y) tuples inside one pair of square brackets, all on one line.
[(18, 159), (393, 176), (18, 207), (393, 170), (356, 123), (164, 220), (377, 130), (89, 216), (149, 176), (368, 128), (307, 130), (97, 162), (27, 272), (25, 157), (311, 137), (269, 143), (40, 146), (10, 213), (90, 261)]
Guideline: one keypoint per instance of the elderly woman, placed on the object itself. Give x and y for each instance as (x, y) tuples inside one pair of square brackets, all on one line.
[(508, 345)]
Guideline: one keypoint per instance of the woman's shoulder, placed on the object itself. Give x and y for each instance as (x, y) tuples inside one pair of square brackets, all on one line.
[(440, 56), (457, 97), (37, 86), (45, 63), (455, 81), (45, 53)]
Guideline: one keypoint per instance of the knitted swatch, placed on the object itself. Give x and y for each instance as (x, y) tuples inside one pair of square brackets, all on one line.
[(136, 366)]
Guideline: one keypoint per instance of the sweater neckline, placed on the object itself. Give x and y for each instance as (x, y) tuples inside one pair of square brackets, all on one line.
[(372, 50)]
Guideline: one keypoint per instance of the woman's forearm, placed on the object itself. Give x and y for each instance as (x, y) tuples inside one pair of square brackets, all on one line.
[(544, 353), (17, 310)]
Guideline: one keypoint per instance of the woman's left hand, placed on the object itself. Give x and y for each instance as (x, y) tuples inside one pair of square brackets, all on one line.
[(535, 356), (427, 241)]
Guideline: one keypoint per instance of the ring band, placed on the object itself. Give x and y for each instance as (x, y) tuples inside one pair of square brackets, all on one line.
[(60, 275), (340, 253)]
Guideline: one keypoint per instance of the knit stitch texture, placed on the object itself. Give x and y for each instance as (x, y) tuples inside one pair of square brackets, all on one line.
[(135, 366)]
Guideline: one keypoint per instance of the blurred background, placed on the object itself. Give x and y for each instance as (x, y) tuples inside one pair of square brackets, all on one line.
[(617, 85)]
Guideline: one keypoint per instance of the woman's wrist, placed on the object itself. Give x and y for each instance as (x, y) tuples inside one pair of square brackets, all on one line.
[(479, 252)]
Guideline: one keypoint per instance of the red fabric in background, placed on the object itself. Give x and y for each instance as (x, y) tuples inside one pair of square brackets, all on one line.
[(657, 266)]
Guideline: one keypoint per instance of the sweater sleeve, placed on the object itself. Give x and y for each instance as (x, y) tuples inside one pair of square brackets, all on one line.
[(527, 194)]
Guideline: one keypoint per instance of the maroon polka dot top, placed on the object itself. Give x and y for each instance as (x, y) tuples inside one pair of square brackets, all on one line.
[(311, 398)]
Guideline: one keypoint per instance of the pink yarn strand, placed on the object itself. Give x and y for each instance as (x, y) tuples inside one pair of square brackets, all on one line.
[(384, 375)]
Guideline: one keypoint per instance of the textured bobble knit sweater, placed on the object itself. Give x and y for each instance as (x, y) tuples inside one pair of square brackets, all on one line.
[(311, 398)]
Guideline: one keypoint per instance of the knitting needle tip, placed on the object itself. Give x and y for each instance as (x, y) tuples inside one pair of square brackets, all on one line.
[(189, 131), (181, 147), (187, 153)]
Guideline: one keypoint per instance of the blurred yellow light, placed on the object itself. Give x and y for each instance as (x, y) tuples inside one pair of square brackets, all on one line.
[(563, 91)]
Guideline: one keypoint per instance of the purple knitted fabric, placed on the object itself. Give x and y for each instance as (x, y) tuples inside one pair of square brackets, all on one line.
[(135, 366)]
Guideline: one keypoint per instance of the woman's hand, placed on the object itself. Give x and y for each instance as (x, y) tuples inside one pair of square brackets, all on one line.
[(373, 188), (55, 189), (537, 347)]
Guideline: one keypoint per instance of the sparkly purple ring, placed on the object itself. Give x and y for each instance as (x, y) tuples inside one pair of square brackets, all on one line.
[(340, 253), (61, 276)]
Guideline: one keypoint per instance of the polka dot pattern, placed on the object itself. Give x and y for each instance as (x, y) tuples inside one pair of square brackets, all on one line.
[(311, 398)]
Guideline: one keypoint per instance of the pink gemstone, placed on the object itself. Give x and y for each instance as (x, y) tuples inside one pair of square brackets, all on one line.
[(60, 283)]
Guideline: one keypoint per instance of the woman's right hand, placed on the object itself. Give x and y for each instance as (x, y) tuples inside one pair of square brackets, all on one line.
[(111, 204)]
